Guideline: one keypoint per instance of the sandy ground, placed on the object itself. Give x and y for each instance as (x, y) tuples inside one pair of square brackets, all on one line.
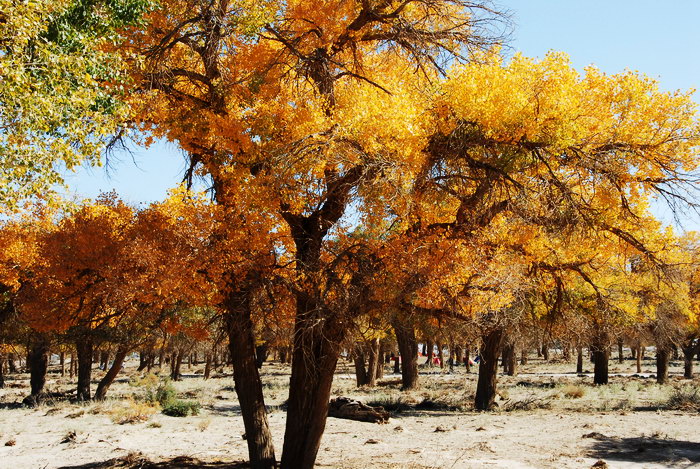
[(621, 424)]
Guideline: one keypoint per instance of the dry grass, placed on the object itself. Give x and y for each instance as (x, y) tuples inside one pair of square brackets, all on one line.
[(133, 412)]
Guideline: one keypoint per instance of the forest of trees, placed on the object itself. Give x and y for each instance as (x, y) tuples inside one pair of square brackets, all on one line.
[(378, 175)]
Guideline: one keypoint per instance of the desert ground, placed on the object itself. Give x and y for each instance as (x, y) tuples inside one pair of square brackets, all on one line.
[(548, 417)]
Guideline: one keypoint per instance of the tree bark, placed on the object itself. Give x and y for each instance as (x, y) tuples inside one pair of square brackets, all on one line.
[(488, 370), (246, 377), (207, 366), (11, 363), (620, 349), (85, 355), (2, 371), (316, 348), (688, 354), (175, 365), (62, 362), (261, 352), (579, 359), (408, 350), (373, 363), (663, 354), (600, 351), (112, 373), (639, 358), (38, 363), (360, 370)]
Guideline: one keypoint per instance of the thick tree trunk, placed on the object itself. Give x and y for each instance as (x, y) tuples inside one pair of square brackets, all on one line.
[(85, 356), (73, 366), (663, 354), (316, 349), (112, 373), (620, 349), (488, 370), (247, 381), (207, 366), (408, 348), (688, 354), (639, 358), (11, 363), (176, 365), (397, 363), (523, 356), (62, 362), (600, 351), (467, 359), (38, 363), (373, 363), (143, 360), (261, 352), (429, 347), (511, 365), (381, 359), (579, 359), (360, 370), (545, 351)]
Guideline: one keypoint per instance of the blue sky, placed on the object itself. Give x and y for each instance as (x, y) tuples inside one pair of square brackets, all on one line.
[(660, 39)]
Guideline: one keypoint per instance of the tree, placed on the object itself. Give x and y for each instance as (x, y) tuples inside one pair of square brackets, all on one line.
[(56, 111), (281, 104)]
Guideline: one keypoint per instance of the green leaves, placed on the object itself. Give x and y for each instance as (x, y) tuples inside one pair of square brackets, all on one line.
[(59, 89)]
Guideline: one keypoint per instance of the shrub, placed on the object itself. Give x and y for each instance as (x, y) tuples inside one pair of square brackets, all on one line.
[(573, 391), (684, 398), (180, 408), (133, 412)]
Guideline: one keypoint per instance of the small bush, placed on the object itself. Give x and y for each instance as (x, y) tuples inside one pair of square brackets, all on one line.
[(573, 391), (685, 398), (133, 412), (180, 408)]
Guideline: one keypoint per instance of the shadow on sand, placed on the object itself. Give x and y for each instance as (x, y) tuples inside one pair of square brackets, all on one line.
[(645, 449), (181, 462)]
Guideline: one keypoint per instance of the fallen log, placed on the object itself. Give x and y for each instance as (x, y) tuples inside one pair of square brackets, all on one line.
[(346, 408)]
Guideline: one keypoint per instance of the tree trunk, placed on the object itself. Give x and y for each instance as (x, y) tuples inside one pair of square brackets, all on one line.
[(488, 370), (579, 359), (408, 350), (523, 356), (545, 351), (381, 359), (511, 365), (112, 373), (143, 360), (600, 351), (663, 353), (620, 349), (246, 377), (373, 363), (360, 370), (688, 354), (467, 359), (639, 358), (11, 363), (397, 363), (85, 356), (62, 362), (73, 366), (175, 365), (429, 352), (2, 372), (316, 348), (38, 363), (207, 366), (261, 352)]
